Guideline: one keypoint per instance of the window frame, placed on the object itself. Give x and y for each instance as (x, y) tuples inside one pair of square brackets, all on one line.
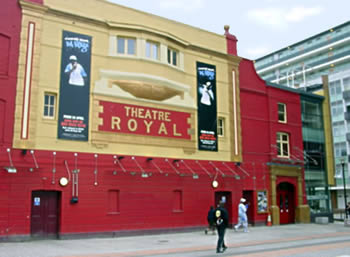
[(170, 57), (50, 105), (281, 143), (284, 113), (221, 127), (151, 56), (126, 45)]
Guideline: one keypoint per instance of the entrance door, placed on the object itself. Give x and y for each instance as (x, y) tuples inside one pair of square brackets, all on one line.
[(44, 216), (286, 203), (225, 197), (248, 195)]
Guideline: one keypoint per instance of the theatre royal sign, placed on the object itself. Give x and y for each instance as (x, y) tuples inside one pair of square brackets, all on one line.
[(141, 120)]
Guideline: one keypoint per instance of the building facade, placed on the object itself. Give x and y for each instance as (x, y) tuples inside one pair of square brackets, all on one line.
[(302, 65), (277, 145), (317, 154), (121, 126)]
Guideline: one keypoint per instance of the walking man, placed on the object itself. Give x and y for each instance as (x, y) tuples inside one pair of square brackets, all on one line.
[(242, 215), (221, 216)]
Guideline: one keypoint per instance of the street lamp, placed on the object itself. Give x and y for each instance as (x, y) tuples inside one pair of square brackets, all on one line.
[(344, 184)]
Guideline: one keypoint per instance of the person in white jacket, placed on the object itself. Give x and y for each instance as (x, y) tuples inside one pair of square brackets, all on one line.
[(242, 216)]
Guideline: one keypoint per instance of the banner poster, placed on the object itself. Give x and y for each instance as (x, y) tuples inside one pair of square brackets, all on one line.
[(206, 100), (73, 112)]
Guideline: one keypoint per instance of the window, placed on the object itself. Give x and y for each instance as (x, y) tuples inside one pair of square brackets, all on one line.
[(346, 83), (335, 88), (177, 204), (339, 129), (337, 109), (221, 127), (126, 46), (282, 113), (338, 171), (282, 145), (152, 50), (172, 57), (113, 201), (340, 149), (49, 105)]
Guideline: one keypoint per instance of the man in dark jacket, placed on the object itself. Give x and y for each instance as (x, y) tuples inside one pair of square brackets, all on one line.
[(221, 216)]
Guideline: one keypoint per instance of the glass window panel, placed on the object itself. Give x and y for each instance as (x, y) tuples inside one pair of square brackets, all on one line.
[(174, 58), (148, 49), (169, 56), (51, 111), (155, 51), (46, 99), (121, 45), (46, 110), (281, 112), (131, 46), (346, 83), (285, 149)]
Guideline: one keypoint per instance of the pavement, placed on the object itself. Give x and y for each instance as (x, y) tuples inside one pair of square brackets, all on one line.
[(195, 243)]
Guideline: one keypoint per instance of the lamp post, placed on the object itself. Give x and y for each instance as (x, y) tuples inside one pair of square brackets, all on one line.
[(344, 184)]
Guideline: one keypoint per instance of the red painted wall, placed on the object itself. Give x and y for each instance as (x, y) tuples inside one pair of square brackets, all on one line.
[(12, 207), (259, 117), (10, 27), (144, 203)]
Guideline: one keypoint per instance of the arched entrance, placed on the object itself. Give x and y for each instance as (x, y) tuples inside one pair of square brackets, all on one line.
[(286, 202)]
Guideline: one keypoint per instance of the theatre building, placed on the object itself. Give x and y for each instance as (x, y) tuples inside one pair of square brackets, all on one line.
[(120, 122)]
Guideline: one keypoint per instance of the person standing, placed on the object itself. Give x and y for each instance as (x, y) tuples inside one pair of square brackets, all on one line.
[(242, 216), (221, 216), (211, 220)]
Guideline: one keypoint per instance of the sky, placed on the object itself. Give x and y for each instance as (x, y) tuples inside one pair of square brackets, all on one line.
[(261, 26)]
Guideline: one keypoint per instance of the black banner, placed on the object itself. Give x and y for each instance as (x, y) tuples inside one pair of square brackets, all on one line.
[(73, 114), (207, 115)]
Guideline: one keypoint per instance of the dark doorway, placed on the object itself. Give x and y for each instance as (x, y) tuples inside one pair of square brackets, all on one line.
[(286, 202), (248, 195), (45, 213), (226, 198)]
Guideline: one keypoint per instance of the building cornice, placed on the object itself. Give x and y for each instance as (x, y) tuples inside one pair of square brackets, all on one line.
[(34, 7)]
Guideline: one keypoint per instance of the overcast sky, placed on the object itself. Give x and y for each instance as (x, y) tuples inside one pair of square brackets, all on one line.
[(261, 26)]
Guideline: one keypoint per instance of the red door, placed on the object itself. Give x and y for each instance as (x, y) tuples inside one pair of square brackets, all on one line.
[(44, 216), (285, 200)]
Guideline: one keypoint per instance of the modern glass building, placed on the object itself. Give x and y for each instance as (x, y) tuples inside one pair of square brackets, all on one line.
[(302, 65), (317, 188)]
